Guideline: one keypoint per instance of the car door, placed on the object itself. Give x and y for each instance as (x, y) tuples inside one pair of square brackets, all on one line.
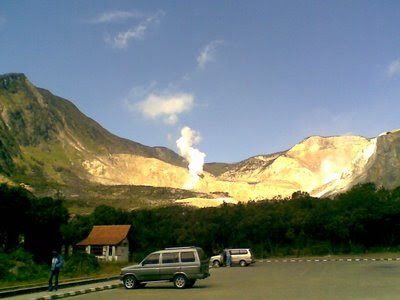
[(169, 265), (235, 256), (190, 265), (150, 269)]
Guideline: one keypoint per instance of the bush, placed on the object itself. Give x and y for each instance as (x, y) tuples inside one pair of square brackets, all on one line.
[(19, 266), (22, 256), (30, 271), (5, 265), (81, 263), (320, 248)]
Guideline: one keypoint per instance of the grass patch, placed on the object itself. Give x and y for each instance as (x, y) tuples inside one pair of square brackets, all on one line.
[(18, 270)]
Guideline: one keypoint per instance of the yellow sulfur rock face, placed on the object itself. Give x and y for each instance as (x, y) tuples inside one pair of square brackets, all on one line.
[(126, 169), (318, 165)]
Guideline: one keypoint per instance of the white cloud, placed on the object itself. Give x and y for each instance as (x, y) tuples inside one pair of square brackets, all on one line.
[(167, 107), (207, 54), (121, 39), (394, 68), (116, 16)]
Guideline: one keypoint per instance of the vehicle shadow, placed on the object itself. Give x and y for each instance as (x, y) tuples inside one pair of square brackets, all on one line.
[(160, 287)]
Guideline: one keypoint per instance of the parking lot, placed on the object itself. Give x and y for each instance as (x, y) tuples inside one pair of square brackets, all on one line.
[(280, 280)]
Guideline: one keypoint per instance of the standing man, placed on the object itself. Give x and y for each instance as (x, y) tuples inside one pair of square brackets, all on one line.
[(228, 258), (57, 263)]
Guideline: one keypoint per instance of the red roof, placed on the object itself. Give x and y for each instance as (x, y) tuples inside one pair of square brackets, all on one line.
[(106, 235)]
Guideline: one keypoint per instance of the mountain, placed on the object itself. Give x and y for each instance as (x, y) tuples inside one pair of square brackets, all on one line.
[(35, 117), (321, 166), (50, 147)]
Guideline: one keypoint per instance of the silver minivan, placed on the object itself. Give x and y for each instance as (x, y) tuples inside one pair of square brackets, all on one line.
[(240, 256), (180, 265)]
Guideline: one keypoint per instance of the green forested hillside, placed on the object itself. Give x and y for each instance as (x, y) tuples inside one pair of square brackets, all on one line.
[(364, 219)]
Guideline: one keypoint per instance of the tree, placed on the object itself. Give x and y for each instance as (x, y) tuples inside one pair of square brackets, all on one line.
[(14, 207), (45, 220), (108, 215), (76, 230)]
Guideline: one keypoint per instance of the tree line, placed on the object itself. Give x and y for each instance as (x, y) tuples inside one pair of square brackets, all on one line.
[(31, 222), (365, 218)]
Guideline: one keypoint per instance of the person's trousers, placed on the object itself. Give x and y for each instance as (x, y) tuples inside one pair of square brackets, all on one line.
[(53, 274)]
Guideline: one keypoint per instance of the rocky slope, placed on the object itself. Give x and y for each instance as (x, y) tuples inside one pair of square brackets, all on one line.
[(317, 165), (48, 144), (41, 131)]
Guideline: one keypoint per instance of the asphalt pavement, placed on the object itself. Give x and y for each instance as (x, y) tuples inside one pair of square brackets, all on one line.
[(314, 279), (295, 278)]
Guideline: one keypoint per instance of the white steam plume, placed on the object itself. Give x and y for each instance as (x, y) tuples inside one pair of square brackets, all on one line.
[(195, 158)]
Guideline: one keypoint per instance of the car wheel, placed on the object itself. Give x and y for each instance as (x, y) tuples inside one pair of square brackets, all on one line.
[(243, 263), (180, 281), (216, 264), (130, 282), (191, 283)]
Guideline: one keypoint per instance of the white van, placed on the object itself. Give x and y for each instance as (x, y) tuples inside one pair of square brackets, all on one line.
[(240, 256)]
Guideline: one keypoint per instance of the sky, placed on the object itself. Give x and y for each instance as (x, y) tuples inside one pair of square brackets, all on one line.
[(249, 77)]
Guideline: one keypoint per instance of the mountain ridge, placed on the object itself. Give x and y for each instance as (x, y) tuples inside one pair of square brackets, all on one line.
[(76, 120), (48, 144)]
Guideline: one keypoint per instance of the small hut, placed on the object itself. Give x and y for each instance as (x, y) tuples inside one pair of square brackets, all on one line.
[(107, 242)]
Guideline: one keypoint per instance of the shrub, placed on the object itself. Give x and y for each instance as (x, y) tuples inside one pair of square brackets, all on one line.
[(19, 266), (21, 255), (81, 263), (30, 271), (5, 265)]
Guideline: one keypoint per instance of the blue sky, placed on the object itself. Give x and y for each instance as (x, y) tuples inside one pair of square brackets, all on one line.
[(251, 77)]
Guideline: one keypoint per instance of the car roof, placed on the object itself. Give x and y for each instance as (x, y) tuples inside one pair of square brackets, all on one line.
[(177, 249), (237, 249), (180, 248)]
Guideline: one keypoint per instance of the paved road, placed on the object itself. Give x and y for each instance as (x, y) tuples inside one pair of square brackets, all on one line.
[(364, 280)]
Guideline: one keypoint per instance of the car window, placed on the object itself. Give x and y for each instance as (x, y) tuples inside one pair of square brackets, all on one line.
[(170, 257), (152, 259), (243, 251), (235, 252), (187, 256)]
